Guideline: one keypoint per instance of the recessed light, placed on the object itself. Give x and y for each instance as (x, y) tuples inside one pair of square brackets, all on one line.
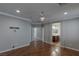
[(18, 11), (65, 13)]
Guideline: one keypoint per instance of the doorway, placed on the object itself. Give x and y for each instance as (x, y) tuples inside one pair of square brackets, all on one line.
[(56, 29), (36, 33)]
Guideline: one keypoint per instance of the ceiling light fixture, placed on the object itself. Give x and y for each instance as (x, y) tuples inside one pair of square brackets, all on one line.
[(65, 13), (18, 11), (42, 17)]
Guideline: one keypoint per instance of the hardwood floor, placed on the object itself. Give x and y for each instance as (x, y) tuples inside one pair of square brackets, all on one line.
[(69, 52), (40, 48)]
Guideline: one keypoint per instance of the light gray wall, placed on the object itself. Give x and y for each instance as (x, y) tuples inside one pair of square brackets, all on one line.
[(8, 37), (70, 33), (48, 33)]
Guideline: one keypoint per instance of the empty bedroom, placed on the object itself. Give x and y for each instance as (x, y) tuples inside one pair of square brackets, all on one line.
[(39, 29)]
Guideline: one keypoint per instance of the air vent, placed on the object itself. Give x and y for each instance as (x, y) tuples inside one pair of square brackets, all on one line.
[(62, 4)]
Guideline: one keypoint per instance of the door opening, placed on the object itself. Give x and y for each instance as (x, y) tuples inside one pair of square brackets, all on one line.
[(56, 32)]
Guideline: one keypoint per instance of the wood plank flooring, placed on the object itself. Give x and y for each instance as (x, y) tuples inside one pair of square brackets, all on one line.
[(39, 48), (69, 52)]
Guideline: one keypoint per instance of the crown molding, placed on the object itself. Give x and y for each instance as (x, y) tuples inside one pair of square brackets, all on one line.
[(7, 14)]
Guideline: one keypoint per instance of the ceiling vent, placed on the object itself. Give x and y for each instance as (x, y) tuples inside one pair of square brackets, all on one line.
[(62, 4)]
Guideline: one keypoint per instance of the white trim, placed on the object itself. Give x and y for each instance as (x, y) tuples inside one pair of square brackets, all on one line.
[(70, 48), (7, 14), (15, 48), (42, 34)]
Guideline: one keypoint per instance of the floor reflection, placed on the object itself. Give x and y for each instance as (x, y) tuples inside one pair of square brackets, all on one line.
[(56, 50)]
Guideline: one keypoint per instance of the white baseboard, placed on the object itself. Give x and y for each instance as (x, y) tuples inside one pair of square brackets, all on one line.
[(15, 48), (70, 48)]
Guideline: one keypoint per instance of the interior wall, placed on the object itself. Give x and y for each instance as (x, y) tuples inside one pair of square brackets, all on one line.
[(10, 38), (70, 33)]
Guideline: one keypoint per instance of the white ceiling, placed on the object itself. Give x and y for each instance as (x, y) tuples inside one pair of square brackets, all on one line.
[(52, 11)]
